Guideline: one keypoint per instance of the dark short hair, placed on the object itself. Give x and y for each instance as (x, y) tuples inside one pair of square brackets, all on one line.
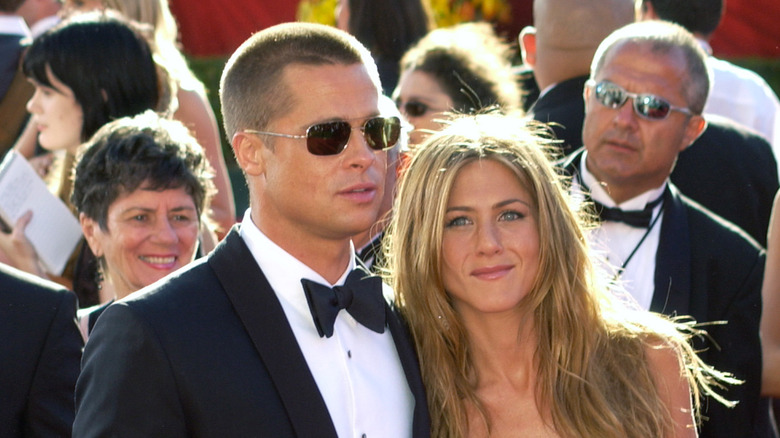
[(251, 90), (470, 63), (10, 6), (388, 27), (106, 63), (698, 16), (145, 150)]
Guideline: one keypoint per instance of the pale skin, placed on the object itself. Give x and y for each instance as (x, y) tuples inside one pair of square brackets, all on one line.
[(312, 205), (628, 154), (421, 87), (490, 257), (770, 323)]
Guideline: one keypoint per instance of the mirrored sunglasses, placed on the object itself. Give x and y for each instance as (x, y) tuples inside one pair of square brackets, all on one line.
[(647, 106), (330, 138)]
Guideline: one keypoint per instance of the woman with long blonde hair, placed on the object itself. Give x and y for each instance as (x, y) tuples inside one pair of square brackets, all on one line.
[(516, 333)]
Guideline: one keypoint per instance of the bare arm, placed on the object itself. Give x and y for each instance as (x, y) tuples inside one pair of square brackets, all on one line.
[(673, 388), (770, 319)]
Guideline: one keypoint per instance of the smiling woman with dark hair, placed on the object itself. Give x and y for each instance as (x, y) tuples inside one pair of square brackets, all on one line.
[(141, 187)]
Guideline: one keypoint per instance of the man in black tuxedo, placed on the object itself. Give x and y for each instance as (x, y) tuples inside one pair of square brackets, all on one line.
[(725, 152), (229, 346), (39, 356), (643, 106)]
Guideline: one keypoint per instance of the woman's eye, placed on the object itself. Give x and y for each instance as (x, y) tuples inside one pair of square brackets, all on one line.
[(181, 218), (458, 222), (511, 215)]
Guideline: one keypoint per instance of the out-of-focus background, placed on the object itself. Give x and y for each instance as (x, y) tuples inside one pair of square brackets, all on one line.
[(212, 29)]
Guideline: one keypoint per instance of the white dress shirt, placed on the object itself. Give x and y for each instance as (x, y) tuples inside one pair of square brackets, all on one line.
[(357, 370), (743, 96), (13, 25), (614, 242)]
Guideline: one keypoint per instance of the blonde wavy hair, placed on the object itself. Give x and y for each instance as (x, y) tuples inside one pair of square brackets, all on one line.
[(594, 378), (165, 32)]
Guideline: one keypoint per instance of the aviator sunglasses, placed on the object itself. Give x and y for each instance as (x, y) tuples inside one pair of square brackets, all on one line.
[(647, 106), (330, 138)]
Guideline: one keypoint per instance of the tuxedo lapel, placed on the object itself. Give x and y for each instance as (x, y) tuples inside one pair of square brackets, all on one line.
[(673, 259), (402, 338), (263, 317)]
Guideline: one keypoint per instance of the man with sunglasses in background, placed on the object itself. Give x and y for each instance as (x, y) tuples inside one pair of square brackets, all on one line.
[(278, 332), (643, 105), (559, 49)]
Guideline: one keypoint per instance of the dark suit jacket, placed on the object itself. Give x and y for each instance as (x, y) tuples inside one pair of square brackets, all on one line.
[(11, 48), (39, 356), (209, 353), (729, 169), (709, 269), (564, 108), (732, 171)]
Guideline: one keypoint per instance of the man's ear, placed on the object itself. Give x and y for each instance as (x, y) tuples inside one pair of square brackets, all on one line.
[(527, 40), (90, 228), (645, 11), (585, 96), (248, 150), (695, 127)]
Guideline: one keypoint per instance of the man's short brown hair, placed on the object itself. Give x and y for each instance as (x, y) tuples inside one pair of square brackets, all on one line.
[(251, 90)]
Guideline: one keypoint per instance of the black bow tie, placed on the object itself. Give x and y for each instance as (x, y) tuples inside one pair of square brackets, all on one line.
[(361, 296), (634, 218)]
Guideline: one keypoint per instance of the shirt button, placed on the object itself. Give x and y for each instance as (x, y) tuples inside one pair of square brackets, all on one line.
[(364, 436), (349, 355)]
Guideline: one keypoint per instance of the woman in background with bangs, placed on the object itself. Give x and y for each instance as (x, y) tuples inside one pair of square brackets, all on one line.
[(82, 81)]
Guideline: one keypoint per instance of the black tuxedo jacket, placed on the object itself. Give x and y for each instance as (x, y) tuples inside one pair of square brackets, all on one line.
[(208, 352), (711, 270), (729, 169), (564, 108), (11, 48), (39, 356)]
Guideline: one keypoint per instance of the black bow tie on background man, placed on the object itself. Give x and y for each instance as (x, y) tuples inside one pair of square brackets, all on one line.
[(361, 296), (634, 218)]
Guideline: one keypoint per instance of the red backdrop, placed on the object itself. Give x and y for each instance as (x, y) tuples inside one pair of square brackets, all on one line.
[(217, 27), (749, 28)]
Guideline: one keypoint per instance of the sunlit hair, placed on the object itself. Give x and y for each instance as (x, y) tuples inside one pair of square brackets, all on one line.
[(157, 14), (593, 375)]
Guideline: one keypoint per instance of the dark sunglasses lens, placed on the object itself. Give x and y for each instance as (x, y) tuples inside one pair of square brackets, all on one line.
[(651, 107), (415, 109), (610, 95), (382, 133), (328, 138)]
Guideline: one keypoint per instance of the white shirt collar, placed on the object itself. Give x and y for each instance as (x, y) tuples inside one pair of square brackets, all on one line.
[(599, 193), (283, 271), (13, 25)]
